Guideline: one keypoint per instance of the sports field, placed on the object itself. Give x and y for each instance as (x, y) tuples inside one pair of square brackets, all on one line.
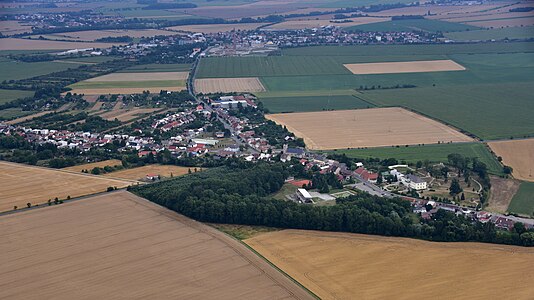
[(228, 85), (518, 154), (23, 184), (523, 201), (342, 265), (404, 67), (372, 127), (120, 246), (142, 172), (433, 153)]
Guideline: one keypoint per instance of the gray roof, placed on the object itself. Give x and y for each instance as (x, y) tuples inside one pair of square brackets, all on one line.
[(414, 178)]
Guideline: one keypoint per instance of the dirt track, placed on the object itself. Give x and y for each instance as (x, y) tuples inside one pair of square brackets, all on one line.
[(404, 67), (366, 128), (119, 246), (355, 266)]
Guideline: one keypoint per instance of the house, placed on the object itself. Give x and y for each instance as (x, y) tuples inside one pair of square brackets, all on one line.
[(414, 182), (366, 175), (303, 196), (152, 176)]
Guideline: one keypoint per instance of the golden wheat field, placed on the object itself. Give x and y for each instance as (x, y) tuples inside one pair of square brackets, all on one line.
[(142, 172), (228, 85), (404, 67), (355, 266), (518, 154), (23, 184), (372, 127), (120, 246)]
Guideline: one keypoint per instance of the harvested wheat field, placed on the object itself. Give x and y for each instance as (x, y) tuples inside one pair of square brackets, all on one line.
[(513, 22), (126, 91), (23, 184), (302, 24), (355, 266), (28, 117), (120, 246), (89, 166), (125, 115), (214, 28), (13, 27), (374, 127), (142, 172), (143, 76), (518, 154), (25, 44), (404, 67), (228, 85)]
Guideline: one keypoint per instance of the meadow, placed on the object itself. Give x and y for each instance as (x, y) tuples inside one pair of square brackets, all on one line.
[(120, 246), (433, 153), (341, 265), (9, 95), (413, 25), (523, 201)]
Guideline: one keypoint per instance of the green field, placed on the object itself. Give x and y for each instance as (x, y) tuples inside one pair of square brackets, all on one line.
[(433, 153), (523, 201), (490, 111), (12, 113), (126, 84), (490, 34), (9, 95), (413, 25), (14, 70), (157, 68), (313, 103)]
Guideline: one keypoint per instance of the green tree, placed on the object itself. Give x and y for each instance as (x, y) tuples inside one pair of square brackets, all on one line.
[(455, 187)]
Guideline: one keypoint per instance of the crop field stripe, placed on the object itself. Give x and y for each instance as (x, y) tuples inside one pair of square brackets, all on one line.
[(404, 67), (523, 201)]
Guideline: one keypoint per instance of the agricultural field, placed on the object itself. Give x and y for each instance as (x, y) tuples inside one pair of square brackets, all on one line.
[(127, 114), (526, 32), (518, 154), (157, 68), (501, 193), (414, 25), (131, 83), (141, 172), (13, 27), (433, 153), (9, 95), (14, 70), (404, 67), (314, 23), (12, 113), (152, 252), (214, 28), (341, 265), (23, 184), (372, 127), (90, 166), (228, 85), (92, 35), (313, 103), (523, 201), (27, 44)]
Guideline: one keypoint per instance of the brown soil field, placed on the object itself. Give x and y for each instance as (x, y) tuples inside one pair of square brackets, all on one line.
[(92, 35), (404, 67), (25, 44), (301, 24), (374, 127), (13, 27), (22, 184), (517, 22), (125, 115), (501, 193), (28, 117), (141, 172), (127, 91), (89, 166), (143, 76), (355, 266), (120, 246), (228, 85), (518, 154), (214, 28), (97, 105), (91, 99)]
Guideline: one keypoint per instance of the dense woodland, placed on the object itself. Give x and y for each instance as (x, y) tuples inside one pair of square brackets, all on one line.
[(239, 194)]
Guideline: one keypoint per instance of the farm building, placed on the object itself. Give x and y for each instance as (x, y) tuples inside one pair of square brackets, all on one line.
[(304, 196)]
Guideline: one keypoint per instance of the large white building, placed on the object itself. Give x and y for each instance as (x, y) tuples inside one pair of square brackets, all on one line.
[(414, 182)]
